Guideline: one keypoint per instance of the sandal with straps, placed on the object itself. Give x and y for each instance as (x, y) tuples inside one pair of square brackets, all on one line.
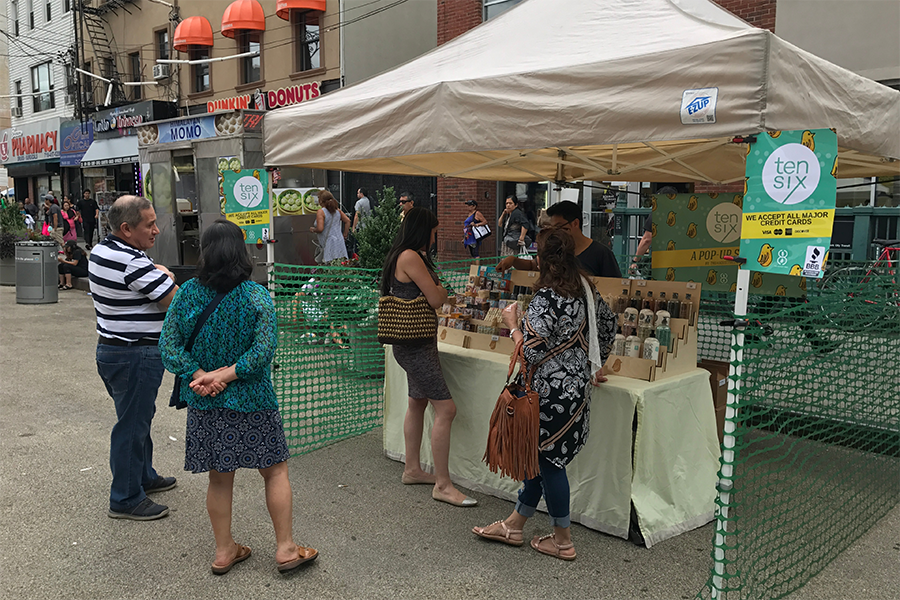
[(505, 538), (555, 552)]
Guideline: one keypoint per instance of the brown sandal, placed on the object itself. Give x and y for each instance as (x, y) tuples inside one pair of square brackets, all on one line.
[(243, 553), (505, 538), (555, 553), (305, 555)]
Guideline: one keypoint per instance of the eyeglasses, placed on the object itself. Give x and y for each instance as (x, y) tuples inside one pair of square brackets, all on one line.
[(405, 201)]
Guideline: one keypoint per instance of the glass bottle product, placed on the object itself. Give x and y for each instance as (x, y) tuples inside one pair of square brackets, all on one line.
[(663, 332), (636, 300), (645, 323), (618, 345), (651, 348), (633, 346), (687, 309), (661, 303), (630, 322), (621, 302), (649, 302), (674, 306)]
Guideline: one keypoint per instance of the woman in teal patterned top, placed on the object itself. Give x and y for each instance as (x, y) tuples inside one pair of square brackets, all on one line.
[(233, 420)]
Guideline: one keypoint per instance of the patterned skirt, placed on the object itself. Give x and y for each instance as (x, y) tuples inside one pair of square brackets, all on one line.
[(224, 440)]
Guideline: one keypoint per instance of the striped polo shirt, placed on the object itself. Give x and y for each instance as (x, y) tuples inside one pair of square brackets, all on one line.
[(126, 286)]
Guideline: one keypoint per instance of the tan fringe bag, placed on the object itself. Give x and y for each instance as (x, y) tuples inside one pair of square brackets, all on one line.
[(512, 444)]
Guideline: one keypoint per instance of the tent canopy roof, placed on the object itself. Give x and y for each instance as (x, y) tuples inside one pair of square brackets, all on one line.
[(590, 89)]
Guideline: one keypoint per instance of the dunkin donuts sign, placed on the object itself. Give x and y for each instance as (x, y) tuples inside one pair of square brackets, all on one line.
[(34, 141), (267, 100)]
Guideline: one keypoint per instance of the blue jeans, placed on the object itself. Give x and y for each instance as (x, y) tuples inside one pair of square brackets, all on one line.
[(132, 375), (553, 484)]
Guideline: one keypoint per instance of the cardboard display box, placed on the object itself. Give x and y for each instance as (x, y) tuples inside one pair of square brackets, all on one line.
[(718, 380)]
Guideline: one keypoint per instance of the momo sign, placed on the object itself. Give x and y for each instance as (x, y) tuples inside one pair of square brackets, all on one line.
[(788, 211), (247, 202)]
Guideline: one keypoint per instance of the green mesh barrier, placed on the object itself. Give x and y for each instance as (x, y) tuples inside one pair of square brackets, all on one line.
[(329, 367), (817, 432)]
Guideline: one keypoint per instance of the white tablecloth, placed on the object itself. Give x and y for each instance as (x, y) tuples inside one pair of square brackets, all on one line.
[(676, 449)]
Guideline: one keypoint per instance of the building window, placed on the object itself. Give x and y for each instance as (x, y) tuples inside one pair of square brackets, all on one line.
[(42, 87), (307, 36), (49, 12), (14, 13), (162, 44), (134, 63), (67, 5), (18, 92), (87, 86), (249, 41), (199, 73), (31, 15), (492, 8)]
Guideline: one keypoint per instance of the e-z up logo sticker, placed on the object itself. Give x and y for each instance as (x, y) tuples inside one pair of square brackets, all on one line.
[(699, 106)]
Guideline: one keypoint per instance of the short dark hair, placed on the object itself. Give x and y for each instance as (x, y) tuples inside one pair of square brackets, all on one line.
[(224, 261), (513, 197), (406, 195), (566, 209), (364, 192)]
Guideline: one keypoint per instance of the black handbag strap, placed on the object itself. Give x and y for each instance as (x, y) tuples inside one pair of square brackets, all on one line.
[(203, 317)]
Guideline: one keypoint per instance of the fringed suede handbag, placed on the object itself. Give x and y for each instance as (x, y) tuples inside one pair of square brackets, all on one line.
[(403, 322), (512, 445)]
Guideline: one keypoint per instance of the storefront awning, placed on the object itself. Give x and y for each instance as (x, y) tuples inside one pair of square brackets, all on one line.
[(193, 31), (283, 8), (111, 151), (246, 15)]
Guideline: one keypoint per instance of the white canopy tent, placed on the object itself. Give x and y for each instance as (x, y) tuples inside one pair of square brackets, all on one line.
[(591, 89)]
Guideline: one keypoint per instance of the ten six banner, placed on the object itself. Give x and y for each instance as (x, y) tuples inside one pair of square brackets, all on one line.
[(247, 202), (789, 202)]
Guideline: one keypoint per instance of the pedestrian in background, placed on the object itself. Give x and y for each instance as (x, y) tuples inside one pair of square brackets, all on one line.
[(514, 225), (70, 218), (475, 219), (406, 204), (131, 295), (362, 209), (54, 220), (73, 263), (233, 420), (332, 227), (90, 216)]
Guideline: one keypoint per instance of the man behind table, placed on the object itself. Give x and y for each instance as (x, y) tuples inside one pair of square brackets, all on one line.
[(90, 215), (595, 258), (131, 295)]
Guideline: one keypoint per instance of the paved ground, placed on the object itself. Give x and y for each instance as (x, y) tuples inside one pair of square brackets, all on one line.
[(378, 539)]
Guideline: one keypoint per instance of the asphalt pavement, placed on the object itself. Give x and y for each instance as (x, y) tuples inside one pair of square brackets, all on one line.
[(377, 538)]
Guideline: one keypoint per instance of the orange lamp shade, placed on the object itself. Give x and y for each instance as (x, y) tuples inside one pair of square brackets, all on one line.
[(283, 8), (193, 31), (246, 15)]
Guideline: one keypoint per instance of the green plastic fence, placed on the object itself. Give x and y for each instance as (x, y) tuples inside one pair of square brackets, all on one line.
[(817, 440), (817, 432)]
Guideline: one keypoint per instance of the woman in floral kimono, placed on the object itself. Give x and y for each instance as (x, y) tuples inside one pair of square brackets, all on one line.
[(566, 361)]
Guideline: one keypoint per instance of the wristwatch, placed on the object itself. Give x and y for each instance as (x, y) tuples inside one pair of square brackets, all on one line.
[(512, 331)]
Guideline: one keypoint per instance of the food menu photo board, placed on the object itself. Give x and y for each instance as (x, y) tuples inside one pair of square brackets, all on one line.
[(295, 201), (791, 183)]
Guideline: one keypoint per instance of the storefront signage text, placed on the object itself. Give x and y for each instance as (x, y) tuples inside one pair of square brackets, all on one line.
[(267, 100), (76, 138), (34, 141), (187, 130), (122, 120)]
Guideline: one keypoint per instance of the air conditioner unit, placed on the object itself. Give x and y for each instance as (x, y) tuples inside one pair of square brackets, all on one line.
[(160, 71), (70, 99), (16, 111)]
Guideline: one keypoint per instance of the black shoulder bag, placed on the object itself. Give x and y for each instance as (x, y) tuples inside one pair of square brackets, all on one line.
[(176, 400)]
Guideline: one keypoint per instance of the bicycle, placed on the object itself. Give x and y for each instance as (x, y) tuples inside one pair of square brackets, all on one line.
[(859, 297)]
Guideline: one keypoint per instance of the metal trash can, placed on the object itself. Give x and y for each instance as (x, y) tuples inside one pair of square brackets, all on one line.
[(37, 273)]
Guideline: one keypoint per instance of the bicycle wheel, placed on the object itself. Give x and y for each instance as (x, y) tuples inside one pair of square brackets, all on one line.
[(846, 300)]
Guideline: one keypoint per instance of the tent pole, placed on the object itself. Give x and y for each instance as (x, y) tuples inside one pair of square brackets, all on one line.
[(726, 479)]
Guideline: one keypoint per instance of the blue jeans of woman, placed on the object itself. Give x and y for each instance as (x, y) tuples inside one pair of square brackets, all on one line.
[(132, 375), (553, 485)]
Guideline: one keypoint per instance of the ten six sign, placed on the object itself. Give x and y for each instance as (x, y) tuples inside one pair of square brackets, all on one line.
[(247, 203), (788, 214)]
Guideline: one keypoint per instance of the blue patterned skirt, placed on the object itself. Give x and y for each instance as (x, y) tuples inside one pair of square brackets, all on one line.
[(224, 440)]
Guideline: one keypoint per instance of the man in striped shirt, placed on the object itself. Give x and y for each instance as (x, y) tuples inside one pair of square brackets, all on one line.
[(131, 295)]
